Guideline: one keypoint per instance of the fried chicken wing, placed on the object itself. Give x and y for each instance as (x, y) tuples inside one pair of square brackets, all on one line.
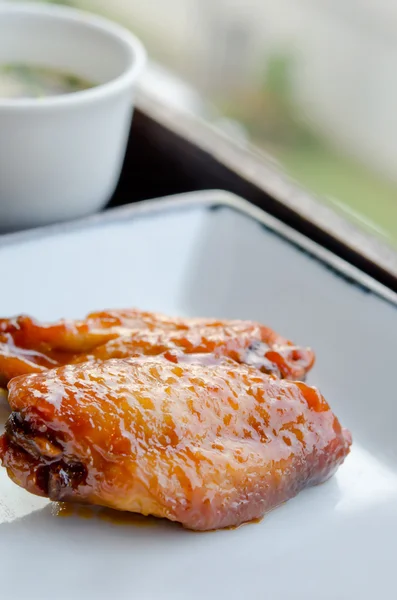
[(209, 446), (243, 341), (28, 347)]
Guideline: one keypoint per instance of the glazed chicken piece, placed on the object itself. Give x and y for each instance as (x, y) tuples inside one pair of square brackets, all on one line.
[(29, 347), (206, 446), (243, 341)]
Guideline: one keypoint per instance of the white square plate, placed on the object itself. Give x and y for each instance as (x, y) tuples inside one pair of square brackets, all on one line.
[(210, 254)]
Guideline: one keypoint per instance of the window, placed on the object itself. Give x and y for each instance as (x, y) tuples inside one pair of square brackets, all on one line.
[(311, 82)]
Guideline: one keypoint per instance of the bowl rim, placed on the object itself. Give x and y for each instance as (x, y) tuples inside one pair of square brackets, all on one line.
[(128, 40)]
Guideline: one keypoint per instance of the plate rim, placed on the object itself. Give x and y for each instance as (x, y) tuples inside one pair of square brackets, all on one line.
[(213, 199)]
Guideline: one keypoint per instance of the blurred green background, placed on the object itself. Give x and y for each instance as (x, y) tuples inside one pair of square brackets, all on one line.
[(310, 83)]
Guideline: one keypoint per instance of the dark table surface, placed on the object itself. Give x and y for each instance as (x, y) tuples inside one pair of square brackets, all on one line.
[(170, 153)]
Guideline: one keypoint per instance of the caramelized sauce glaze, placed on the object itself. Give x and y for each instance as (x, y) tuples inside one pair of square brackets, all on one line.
[(116, 517), (27, 346), (209, 446)]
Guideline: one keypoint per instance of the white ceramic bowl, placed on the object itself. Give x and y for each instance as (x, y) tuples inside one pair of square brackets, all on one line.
[(61, 156)]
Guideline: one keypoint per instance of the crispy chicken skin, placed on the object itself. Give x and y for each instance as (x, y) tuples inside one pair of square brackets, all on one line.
[(27, 346), (209, 446)]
